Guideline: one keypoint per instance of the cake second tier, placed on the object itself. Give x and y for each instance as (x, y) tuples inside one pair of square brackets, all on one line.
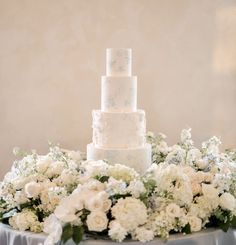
[(119, 130)]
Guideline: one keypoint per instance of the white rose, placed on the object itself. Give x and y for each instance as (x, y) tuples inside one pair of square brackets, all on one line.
[(97, 221), (32, 189), (100, 202), (67, 210), (116, 231), (173, 210), (202, 163), (195, 223), (210, 191), (227, 201), (136, 187)]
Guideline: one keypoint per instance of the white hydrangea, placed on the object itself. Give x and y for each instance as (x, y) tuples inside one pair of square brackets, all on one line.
[(130, 213), (26, 220), (142, 234), (116, 231)]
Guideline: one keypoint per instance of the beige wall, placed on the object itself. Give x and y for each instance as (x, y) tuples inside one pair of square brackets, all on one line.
[(52, 54)]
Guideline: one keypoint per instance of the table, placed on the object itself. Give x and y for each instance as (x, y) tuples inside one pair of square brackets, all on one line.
[(9, 236)]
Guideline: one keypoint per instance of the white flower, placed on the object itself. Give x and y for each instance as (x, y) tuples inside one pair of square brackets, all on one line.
[(43, 164), (195, 223), (116, 186), (95, 168), (136, 187), (32, 189), (67, 210), (210, 192), (99, 202), (173, 210), (176, 156), (122, 172), (26, 220), (193, 156), (227, 201), (97, 221), (130, 213), (53, 227), (55, 168), (116, 231), (142, 234)]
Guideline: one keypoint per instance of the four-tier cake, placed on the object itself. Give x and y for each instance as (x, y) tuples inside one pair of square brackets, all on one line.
[(119, 128)]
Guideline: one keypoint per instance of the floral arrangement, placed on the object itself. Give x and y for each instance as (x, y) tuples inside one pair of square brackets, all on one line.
[(185, 190)]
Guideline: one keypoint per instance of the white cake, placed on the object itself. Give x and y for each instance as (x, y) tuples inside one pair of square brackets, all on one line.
[(119, 129)]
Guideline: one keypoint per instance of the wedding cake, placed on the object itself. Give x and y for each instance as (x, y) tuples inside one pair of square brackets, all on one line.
[(119, 128)]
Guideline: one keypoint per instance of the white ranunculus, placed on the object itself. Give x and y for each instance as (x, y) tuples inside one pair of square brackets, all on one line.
[(227, 201), (116, 231), (97, 221), (32, 189), (195, 223), (130, 213), (173, 210), (99, 202)]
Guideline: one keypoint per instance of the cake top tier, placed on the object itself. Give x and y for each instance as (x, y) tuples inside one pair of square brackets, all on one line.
[(118, 62)]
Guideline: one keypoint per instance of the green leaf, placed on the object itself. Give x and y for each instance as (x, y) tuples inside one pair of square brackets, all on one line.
[(77, 234), (66, 233), (187, 229), (9, 214), (103, 178), (233, 222)]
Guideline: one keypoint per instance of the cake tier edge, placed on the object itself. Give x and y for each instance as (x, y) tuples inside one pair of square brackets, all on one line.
[(138, 158)]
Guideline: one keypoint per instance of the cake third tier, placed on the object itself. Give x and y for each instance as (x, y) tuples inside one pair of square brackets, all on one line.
[(119, 130)]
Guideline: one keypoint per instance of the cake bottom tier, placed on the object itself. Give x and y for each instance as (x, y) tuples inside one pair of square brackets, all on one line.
[(137, 158)]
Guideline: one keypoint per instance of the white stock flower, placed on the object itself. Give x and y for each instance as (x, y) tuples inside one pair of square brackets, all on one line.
[(116, 231), (130, 213), (227, 201), (97, 221), (32, 189), (142, 234), (43, 164), (193, 156)]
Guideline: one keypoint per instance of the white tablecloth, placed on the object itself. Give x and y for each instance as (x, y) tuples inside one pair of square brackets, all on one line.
[(8, 236)]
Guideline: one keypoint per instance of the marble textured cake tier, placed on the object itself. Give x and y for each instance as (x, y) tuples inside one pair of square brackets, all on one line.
[(119, 130), (138, 158), (119, 94), (118, 62)]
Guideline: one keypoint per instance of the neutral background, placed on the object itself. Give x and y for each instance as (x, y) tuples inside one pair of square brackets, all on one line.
[(52, 54)]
